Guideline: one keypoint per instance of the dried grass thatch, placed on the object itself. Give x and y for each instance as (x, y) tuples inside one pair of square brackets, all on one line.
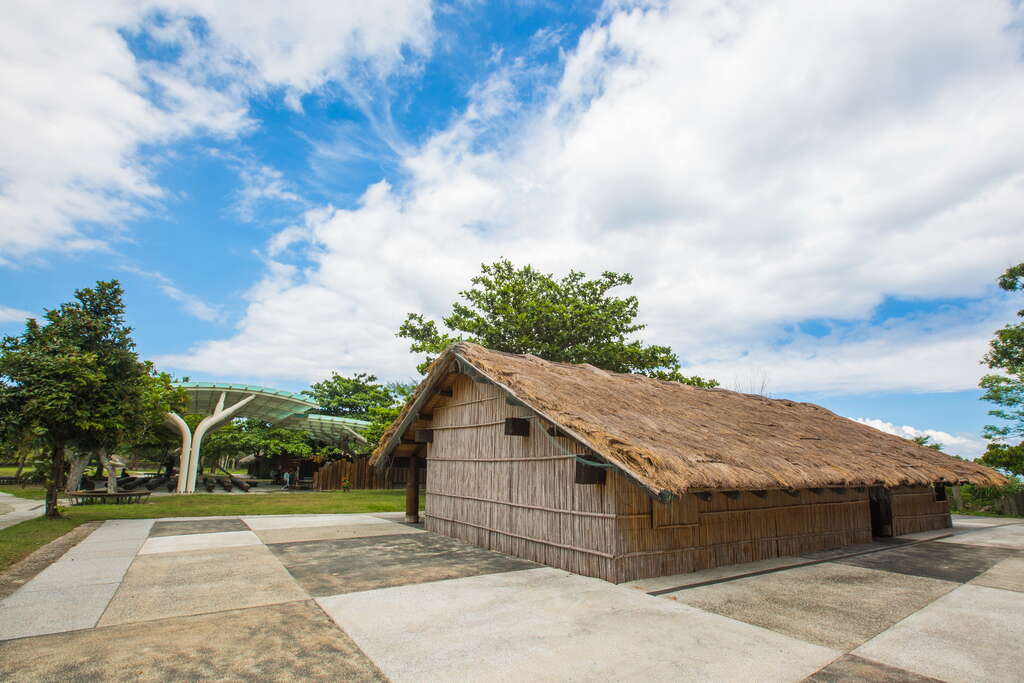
[(672, 438)]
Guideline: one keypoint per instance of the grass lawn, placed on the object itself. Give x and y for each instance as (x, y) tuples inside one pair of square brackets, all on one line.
[(30, 491), (21, 539)]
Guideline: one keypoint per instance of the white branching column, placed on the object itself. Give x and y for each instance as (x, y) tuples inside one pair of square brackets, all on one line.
[(175, 421), (190, 464)]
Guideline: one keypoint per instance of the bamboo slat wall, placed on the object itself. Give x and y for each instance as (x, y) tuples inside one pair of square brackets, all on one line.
[(360, 475), (915, 509), (735, 528), (518, 495), (513, 494)]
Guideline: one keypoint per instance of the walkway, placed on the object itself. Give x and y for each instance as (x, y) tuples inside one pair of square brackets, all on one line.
[(14, 510), (365, 597)]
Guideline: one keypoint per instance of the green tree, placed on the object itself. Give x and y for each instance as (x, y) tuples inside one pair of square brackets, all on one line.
[(1006, 390), (362, 397), (75, 380), (253, 437), (381, 416), (354, 396), (570, 320), (925, 440)]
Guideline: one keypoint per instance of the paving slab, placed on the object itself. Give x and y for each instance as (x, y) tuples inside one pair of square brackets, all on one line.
[(934, 560), (1008, 575), (716, 574), (293, 522), (549, 625), (976, 521), (31, 613), (834, 605), (969, 634), (358, 564), (175, 544), (77, 572), (326, 533), (295, 641), (1009, 536), (200, 581), (123, 529), (850, 668), (199, 526)]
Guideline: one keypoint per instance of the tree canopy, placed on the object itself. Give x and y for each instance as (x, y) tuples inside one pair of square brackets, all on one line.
[(253, 437), (363, 397), (1006, 389), (572, 320), (75, 379), (354, 397)]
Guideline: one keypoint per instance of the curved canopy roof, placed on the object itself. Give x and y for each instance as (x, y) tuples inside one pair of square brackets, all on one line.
[(270, 405), (280, 408), (325, 427)]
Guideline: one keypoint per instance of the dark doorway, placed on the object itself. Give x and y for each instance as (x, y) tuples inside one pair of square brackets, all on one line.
[(881, 511)]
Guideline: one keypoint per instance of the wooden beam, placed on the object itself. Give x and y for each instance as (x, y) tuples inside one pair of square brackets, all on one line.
[(412, 490)]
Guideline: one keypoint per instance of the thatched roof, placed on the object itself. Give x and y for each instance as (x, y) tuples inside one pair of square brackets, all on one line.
[(672, 438)]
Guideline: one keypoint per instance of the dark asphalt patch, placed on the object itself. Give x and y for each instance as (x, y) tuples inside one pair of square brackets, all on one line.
[(946, 561), (850, 668), (294, 641), (202, 526), (358, 564)]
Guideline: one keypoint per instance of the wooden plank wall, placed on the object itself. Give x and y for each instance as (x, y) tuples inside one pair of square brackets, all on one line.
[(914, 509), (360, 475)]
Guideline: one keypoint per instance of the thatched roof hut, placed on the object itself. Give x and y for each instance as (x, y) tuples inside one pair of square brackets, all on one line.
[(620, 476), (672, 438)]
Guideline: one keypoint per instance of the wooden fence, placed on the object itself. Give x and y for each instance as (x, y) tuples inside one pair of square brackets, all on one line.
[(360, 475)]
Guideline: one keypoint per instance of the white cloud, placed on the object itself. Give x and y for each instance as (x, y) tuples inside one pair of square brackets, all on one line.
[(965, 445), (78, 104), (13, 315), (262, 184), (752, 164), (191, 304)]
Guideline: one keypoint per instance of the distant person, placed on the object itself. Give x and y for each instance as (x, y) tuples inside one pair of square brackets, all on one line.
[(124, 472), (287, 480)]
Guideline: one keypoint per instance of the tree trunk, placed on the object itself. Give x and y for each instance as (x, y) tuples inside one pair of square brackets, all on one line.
[(56, 472), (22, 457), (79, 461), (111, 471)]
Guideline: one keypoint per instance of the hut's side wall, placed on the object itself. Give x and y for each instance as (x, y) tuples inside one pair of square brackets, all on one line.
[(691, 534), (914, 509), (514, 494)]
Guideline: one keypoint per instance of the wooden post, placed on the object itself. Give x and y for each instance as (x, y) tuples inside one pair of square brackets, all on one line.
[(412, 489)]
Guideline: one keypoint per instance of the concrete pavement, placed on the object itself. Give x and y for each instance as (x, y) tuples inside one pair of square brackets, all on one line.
[(14, 510), (366, 597)]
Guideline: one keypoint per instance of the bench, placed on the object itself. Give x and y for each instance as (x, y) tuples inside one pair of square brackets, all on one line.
[(89, 497)]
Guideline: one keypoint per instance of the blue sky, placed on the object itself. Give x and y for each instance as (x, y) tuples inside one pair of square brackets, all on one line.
[(814, 200)]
